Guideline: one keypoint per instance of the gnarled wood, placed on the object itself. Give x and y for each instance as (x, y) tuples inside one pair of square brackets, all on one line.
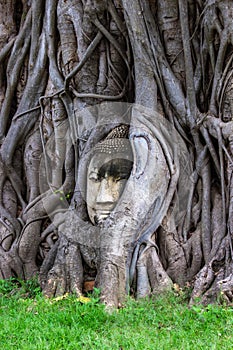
[(169, 66)]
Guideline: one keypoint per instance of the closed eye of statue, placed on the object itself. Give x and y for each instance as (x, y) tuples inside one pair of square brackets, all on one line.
[(94, 177)]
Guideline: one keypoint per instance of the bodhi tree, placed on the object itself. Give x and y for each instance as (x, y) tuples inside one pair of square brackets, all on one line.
[(116, 146)]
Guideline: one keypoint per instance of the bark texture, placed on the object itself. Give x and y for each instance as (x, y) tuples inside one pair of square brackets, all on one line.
[(71, 71)]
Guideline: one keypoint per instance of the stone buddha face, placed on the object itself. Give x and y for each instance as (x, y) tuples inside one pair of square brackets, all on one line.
[(107, 174)]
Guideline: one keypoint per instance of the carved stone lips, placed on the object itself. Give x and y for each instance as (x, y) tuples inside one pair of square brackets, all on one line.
[(100, 217), (102, 214), (106, 210)]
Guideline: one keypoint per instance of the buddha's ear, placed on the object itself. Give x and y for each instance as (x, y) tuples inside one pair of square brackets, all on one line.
[(140, 148)]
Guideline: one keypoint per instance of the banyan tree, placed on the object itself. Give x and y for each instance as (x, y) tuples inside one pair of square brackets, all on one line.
[(116, 146)]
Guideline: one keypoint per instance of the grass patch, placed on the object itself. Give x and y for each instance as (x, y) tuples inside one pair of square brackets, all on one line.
[(29, 323)]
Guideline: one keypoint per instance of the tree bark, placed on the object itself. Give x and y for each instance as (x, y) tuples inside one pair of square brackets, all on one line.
[(71, 71)]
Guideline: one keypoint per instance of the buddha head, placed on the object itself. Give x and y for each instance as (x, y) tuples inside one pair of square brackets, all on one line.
[(107, 173)]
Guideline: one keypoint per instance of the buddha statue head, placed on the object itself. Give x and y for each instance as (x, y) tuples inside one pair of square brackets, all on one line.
[(107, 173)]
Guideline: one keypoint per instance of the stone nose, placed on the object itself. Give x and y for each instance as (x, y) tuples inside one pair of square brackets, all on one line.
[(105, 194)]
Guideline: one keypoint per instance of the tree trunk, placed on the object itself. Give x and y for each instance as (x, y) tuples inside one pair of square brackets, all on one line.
[(150, 81)]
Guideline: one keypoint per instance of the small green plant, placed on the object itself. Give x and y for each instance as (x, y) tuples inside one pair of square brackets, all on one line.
[(8, 286), (31, 288), (20, 288), (94, 295), (63, 195)]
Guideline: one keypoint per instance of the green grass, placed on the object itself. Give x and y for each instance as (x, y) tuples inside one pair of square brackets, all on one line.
[(29, 321)]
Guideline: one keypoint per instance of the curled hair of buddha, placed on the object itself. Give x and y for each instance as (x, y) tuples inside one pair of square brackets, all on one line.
[(115, 142)]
